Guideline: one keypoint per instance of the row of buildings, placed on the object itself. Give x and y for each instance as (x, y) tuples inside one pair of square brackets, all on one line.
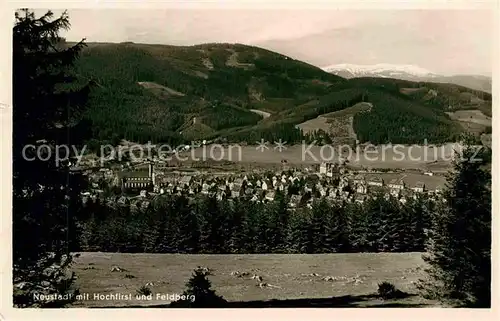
[(330, 181)]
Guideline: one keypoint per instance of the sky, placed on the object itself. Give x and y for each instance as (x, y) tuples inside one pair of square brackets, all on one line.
[(443, 41)]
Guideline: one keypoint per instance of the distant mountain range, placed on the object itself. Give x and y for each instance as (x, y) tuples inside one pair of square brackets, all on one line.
[(240, 93), (408, 72)]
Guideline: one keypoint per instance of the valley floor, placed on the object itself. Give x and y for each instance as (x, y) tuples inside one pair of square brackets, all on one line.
[(401, 157), (295, 279)]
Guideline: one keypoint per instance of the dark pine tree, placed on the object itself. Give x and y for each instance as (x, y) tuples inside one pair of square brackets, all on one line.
[(278, 220), (199, 294), (320, 219), (47, 103), (299, 237), (239, 239), (339, 228), (211, 225), (460, 236), (170, 234), (152, 228), (189, 231), (360, 227)]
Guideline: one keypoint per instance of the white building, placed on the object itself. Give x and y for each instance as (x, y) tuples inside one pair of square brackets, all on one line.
[(326, 169), (376, 181), (358, 179), (204, 188), (419, 187), (397, 184), (361, 188)]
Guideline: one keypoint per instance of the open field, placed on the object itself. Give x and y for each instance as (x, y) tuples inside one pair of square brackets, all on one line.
[(312, 125), (296, 276), (362, 107), (474, 121), (471, 116)]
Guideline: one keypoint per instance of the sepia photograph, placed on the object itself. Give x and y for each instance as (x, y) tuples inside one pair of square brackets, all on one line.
[(251, 157)]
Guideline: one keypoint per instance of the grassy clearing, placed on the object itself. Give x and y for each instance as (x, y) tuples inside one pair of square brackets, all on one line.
[(312, 125), (350, 111), (471, 116), (260, 112), (474, 121), (162, 89), (297, 278), (338, 123)]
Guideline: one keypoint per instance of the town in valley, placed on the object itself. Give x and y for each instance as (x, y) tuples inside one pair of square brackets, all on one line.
[(323, 158)]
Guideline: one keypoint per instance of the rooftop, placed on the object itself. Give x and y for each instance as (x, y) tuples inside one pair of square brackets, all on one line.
[(129, 174), (419, 184), (396, 181), (358, 177)]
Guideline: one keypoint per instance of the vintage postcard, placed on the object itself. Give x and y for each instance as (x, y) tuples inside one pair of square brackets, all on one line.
[(291, 155)]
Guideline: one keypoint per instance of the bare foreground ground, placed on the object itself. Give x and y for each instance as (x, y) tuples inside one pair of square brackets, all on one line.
[(297, 280)]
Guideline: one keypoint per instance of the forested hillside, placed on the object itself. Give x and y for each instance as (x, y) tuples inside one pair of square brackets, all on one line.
[(176, 94)]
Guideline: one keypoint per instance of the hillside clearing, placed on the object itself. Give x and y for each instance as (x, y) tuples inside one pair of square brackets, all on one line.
[(339, 123), (295, 275), (411, 90), (207, 63), (474, 121), (312, 125), (264, 114), (201, 74), (351, 111), (471, 116), (195, 130), (155, 86), (232, 61)]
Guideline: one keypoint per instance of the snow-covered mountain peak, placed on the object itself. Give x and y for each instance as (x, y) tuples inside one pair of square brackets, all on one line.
[(380, 70)]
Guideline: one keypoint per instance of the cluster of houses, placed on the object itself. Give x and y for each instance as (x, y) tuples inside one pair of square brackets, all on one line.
[(331, 181)]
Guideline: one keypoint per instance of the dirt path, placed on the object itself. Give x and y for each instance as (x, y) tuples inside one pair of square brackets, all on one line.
[(155, 86), (260, 112)]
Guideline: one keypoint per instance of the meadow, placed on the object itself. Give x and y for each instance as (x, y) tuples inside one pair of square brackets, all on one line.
[(293, 279)]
